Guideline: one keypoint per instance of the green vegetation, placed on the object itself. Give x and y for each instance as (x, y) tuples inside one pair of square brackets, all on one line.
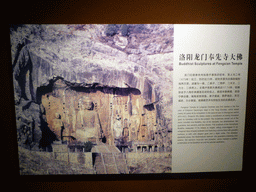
[(124, 30), (111, 29)]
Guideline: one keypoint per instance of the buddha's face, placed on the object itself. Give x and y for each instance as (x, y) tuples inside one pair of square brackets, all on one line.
[(57, 115), (88, 104)]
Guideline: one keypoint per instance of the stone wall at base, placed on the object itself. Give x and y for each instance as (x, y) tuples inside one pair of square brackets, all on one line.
[(84, 159), (81, 158), (155, 162), (133, 159), (44, 154)]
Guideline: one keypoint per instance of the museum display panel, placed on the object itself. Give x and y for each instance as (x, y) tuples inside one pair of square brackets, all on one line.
[(129, 98)]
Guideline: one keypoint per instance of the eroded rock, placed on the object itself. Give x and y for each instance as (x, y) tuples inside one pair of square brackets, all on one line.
[(127, 75)]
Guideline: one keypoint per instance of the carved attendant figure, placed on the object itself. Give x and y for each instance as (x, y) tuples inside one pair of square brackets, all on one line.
[(117, 128), (135, 123), (58, 126), (125, 131)]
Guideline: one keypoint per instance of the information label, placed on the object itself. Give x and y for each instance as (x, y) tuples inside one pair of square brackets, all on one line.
[(209, 97)]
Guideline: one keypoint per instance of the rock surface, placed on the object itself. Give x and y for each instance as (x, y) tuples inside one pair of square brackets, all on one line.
[(130, 62), (152, 165), (42, 163)]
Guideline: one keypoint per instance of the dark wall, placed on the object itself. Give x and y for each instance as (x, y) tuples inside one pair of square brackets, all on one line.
[(162, 11)]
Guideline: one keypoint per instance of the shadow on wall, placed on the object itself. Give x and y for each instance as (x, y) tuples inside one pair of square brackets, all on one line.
[(47, 135)]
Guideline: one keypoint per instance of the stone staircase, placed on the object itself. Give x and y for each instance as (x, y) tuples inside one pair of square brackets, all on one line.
[(121, 163), (110, 164), (102, 148), (109, 160), (99, 164)]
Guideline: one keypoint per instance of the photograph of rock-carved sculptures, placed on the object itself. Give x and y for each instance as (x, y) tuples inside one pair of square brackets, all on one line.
[(93, 99)]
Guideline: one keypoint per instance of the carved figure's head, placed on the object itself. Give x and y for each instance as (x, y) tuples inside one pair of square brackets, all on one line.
[(57, 116), (88, 104)]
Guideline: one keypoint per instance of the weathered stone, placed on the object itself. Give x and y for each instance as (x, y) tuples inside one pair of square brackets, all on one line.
[(88, 123), (57, 126), (127, 75)]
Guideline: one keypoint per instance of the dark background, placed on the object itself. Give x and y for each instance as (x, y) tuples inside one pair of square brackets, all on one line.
[(129, 11)]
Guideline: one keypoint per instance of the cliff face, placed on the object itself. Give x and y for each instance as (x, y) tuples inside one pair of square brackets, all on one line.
[(125, 70)]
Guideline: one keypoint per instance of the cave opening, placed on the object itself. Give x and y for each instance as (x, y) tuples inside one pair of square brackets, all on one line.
[(114, 116)]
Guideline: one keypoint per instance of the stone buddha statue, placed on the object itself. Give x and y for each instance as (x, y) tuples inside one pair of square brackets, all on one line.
[(88, 124)]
